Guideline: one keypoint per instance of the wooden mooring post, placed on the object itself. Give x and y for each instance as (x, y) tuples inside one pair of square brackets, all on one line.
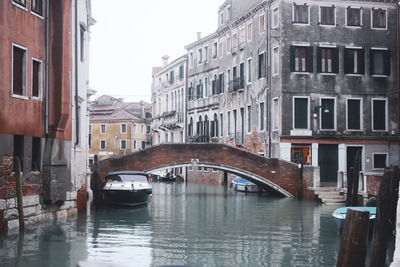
[(97, 182), (18, 189), (354, 240), (385, 221)]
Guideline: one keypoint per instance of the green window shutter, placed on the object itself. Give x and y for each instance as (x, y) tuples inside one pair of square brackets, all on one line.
[(310, 58)]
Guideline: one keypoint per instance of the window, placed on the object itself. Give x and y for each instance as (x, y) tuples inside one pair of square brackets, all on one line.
[(300, 113), (19, 71), (171, 77), (82, 39), (181, 73), (205, 53), (327, 112), (220, 84), (261, 116), (379, 62), (148, 129), (301, 59), (378, 18), (143, 144), (220, 49), (379, 115), (380, 160), (123, 144), (102, 129), (191, 59), (275, 61), (228, 45), (199, 55), (36, 78), (275, 117), (221, 119), (206, 87), (300, 14), (249, 32), (327, 15), (37, 6), (102, 144), (142, 128), (354, 115), (241, 75), (90, 137), (215, 50), (261, 66), (134, 142), (328, 60), (20, 2), (248, 119), (275, 17), (134, 128), (262, 23), (123, 128), (229, 123), (354, 61), (353, 16), (249, 71)]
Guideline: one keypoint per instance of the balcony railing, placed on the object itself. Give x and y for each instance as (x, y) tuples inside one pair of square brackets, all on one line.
[(236, 84), (168, 120)]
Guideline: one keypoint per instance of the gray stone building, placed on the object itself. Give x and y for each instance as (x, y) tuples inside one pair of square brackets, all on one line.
[(333, 85), (314, 81)]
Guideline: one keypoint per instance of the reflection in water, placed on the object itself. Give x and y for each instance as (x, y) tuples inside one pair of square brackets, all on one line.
[(193, 225)]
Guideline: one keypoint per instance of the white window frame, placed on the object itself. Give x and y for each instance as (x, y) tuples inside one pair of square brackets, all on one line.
[(259, 117), (191, 59), (294, 13), (275, 8), (262, 14), (386, 113), (386, 17), (251, 31), (378, 49), (121, 131), (105, 144), (334, 16), (105, 129), (347, 14), (25, 69), (21, 6), (249, 79), (308, 112), (334, 114), (228, 39), (361, 114), (273, 114), (205, 54), (373, 159), (39, 97), (120, 144), (275, 72)]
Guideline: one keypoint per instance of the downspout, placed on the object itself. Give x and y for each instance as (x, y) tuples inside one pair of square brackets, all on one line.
[(185, 101), (398, 65), (76, 77), (47, 55), (269, 75)]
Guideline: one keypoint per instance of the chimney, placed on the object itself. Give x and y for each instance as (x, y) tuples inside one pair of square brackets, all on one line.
[(198, 36), (142, 108), (165, 61)]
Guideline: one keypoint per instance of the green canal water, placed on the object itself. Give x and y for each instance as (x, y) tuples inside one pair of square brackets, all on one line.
[(191, 225)]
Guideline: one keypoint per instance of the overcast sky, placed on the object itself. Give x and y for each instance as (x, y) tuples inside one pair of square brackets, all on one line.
[(130, 37)]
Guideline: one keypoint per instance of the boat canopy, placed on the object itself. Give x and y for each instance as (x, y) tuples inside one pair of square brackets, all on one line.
[(243, 181)]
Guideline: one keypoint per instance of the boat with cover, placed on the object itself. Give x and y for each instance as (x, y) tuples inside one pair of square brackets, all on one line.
[(243, 185), (127, 188), (340, 215)]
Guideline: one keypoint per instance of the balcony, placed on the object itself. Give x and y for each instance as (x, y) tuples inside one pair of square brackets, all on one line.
[(212, 100), (236, 84), (168, 120)]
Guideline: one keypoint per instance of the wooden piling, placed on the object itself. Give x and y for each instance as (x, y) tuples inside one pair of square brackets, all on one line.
[(350, 183), (18, 185), (384, 226), (354, 240), (97, 182)]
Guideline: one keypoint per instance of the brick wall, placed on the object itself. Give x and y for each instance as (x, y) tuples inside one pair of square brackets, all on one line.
[(282, 173)]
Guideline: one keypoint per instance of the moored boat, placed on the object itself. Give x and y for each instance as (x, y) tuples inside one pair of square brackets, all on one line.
[(340, 215), (243, 185), (127, 188)]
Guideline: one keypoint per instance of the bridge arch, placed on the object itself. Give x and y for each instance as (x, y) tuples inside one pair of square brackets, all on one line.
[(280, 175)]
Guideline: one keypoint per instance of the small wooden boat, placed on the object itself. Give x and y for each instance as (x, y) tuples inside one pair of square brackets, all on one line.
[(243, 185), (127, 188), (340, 215)]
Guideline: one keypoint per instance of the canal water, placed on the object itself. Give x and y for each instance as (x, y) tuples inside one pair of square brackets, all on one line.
[(185, 224)]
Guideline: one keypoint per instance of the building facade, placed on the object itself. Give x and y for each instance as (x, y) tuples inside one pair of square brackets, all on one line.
[(117, 128), (168, 98), (42, 99)]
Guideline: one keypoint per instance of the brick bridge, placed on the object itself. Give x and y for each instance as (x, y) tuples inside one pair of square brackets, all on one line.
[(281, 176)]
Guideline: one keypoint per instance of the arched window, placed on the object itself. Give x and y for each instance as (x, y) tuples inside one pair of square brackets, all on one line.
[(190, 127), (199, 126), (206, 128), (205, 87), (215, 125)]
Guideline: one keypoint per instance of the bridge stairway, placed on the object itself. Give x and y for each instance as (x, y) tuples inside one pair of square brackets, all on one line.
[(329, 195)]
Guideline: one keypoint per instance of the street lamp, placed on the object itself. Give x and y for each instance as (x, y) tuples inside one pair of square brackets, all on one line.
[(324, 107)]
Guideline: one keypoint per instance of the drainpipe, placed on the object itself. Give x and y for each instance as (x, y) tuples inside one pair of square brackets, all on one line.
[(76, 77), (47, 55), (398, 63), (185, 101), (269, 75)]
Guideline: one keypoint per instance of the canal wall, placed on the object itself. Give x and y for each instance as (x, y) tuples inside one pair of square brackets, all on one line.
[(35, 210)]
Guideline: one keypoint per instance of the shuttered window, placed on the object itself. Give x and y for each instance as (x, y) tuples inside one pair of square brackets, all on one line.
[(354, 61), (301, 113), (327, 60), (301, 59)]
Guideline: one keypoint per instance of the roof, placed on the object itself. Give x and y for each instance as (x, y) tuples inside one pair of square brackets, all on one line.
[(113, 115), (126, 172)]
